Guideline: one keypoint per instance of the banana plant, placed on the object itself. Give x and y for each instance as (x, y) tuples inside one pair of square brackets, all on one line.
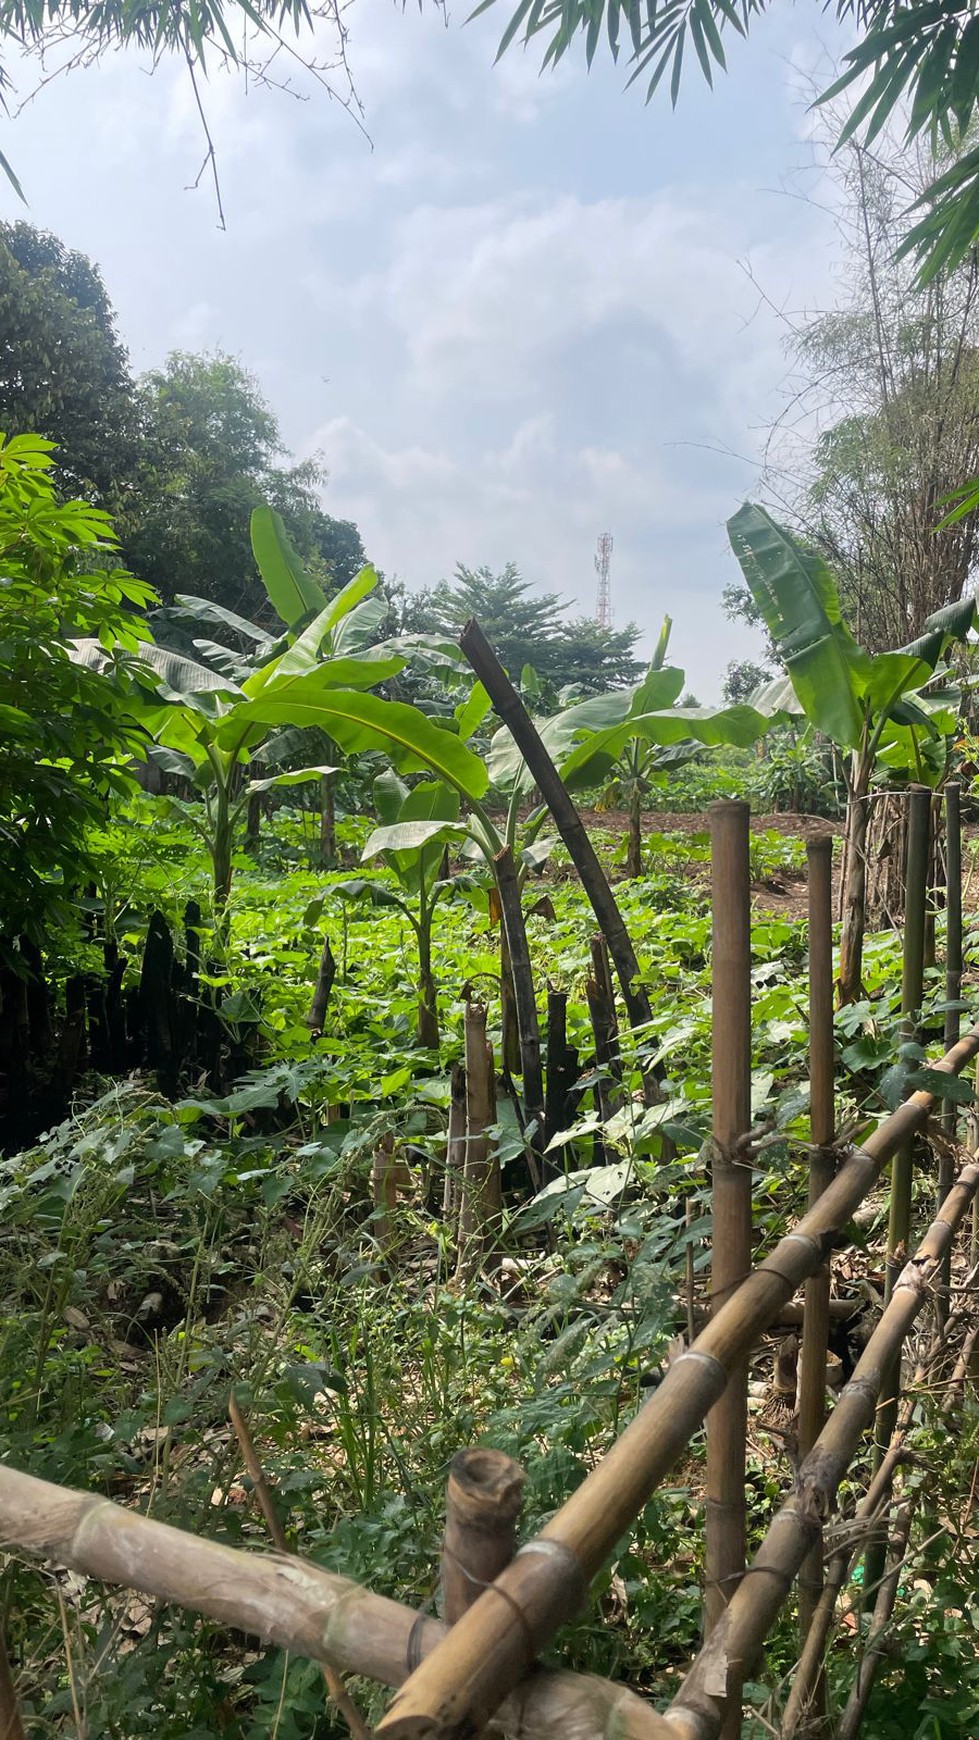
[(875, 708), (416, 826), (202, 720)]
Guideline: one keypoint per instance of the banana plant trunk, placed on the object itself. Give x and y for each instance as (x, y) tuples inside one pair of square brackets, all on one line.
[(854, 925)]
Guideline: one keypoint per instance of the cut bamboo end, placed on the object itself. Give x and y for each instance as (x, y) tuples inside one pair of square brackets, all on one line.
[(483, 1501)]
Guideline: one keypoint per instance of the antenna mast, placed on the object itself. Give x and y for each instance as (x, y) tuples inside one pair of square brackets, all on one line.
[(603, 562)]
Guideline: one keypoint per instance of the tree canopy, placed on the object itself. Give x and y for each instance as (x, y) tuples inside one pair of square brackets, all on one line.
[(527, 627)]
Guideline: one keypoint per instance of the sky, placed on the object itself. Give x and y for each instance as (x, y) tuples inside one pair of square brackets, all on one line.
[(510, 311)]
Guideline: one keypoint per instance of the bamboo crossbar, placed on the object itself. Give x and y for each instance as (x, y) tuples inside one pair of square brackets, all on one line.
[(291, 1603), (715, 1680), (457, 1688)]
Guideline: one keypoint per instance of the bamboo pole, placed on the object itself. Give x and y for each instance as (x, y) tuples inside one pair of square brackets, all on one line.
[(525, 1001), (899, 1216), (822, 1166), (291, 1603), (11, 1726), (569, 825), (713, 1685), (953, 991), (727, 1422), (487, 1653), (482, 1503)]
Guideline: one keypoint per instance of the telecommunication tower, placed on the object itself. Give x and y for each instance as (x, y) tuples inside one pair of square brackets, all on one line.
[(603, 562)]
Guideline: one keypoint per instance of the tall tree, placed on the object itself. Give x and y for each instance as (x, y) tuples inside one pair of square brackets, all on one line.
[(526, 627), (210, 446), (64, 373)]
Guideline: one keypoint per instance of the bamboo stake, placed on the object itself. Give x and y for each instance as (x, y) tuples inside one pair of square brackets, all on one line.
[(953, 991), (482, 1503), (489, 1650), (713, 1685), (384, 1190), (11, 1726), (528, 1026), (569, 825), (321, 993), (289, 1602), (822, 1166), (273, 1522), (727, 1422), (899, 1217)]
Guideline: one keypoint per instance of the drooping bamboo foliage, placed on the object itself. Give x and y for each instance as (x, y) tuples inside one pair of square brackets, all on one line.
[(714, 1683), (488, 1651), (727, 1422)]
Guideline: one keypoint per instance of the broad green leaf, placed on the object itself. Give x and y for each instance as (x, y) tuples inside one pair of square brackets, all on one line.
[(658, 689), (389, 794), (297, 776), (359, 626), (797, 596), (431, 801), (363, 582), (292, 592), (470, 715), (409, 837), (361, 722), (347, 673), (205, 610), (365, 888)]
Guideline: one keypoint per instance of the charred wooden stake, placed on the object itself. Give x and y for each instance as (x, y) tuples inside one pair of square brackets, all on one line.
[(566, 818), (557, 1082), (455, 1145), (321, 995), (482, 1503), (528, 1027)]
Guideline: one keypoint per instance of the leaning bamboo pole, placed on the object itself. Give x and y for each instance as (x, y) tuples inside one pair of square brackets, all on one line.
[(290, 1603), (822, 1165), (727, 1423), (486, 1654), (713, 1685)]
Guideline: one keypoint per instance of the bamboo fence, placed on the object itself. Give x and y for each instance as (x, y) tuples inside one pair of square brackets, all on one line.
[(502, 1607)]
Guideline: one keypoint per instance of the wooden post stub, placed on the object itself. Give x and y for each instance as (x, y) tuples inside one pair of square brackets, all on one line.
[(482, 1503)]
